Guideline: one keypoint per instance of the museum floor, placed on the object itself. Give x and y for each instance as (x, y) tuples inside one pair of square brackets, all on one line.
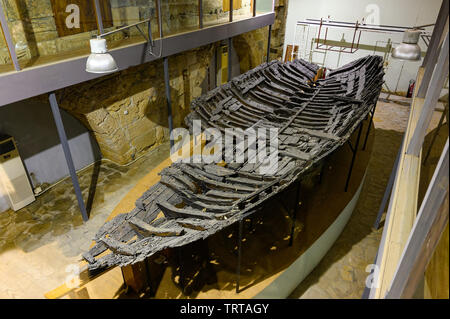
[(39, 243)]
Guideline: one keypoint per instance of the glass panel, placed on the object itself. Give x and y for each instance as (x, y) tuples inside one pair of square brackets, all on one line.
[(179, 16), (127, 12), (52, 30), (264, 6), (5, 61), (242, 9), (215, 12)]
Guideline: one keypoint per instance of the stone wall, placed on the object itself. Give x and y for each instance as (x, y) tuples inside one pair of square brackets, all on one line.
[(252, 46), (126, 111)]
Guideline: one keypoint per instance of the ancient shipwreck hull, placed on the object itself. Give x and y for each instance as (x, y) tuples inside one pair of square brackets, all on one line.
[(313, 118)]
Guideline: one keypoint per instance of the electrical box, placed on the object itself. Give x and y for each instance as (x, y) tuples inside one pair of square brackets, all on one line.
[(13, 176)]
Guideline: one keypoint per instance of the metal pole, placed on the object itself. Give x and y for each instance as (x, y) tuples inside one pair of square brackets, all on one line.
[(8, 39), (200, 14), (294, 212), (238, 270), (231, 11), (370, 124), (168, 98), (268, 44), (353, 157), (67, 154), (254, 8), (98, 13), (430, 58), (230, 68), (437, 31)]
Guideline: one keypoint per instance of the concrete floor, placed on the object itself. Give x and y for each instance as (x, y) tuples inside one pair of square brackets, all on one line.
[(40, 244)]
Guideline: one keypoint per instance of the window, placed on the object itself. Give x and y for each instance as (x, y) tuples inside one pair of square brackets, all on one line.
[(237, 4)]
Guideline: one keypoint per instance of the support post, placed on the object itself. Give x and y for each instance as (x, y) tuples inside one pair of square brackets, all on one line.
[(238, 270), (294, 212), (231, 11), (254, 8), (8, 39), (268, 43), (65, 145), (433, 48), (200, 14), (369, 125), (168, 98), (230, 67), (355, 150)]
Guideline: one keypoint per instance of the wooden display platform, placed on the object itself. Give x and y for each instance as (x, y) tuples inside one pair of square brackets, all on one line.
[(207, 268)]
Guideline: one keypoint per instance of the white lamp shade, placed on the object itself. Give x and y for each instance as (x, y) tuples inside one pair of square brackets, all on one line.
[(100, 61), (406, 51)]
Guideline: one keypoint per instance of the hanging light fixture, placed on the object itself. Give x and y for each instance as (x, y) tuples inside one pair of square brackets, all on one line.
[(100, 61), (408, 49)]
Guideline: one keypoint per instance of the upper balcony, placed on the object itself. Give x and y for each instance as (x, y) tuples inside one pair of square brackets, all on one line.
[(50, 39)]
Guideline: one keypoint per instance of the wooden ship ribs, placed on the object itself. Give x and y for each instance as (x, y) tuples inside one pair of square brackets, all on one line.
[(197, 200)]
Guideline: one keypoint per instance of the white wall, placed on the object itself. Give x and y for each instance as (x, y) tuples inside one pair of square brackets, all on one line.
[(31, 124), (406, 13)]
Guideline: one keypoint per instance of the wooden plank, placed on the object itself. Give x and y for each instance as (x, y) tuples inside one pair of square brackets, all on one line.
[(424, 237), (403, 206), (437, 273)]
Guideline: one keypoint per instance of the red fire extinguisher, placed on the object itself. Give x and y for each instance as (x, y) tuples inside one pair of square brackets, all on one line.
[(410, 88)]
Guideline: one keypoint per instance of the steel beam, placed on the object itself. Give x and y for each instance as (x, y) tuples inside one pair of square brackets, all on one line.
[(8, 39), (200, 14), (355, 150), (431, 56), (65, 145), (268, 44), (437, 32), (238, 269), (437, 83), (168, 98), (18, 86), (231, 11), (230, 67)]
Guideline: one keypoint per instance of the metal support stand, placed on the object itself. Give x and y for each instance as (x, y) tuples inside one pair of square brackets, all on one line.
[(200, 14), (354, 150), (238, 270), (67, 154), (230, 68), (294, 212), (168, 98), (268, 43), (369, 125)]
